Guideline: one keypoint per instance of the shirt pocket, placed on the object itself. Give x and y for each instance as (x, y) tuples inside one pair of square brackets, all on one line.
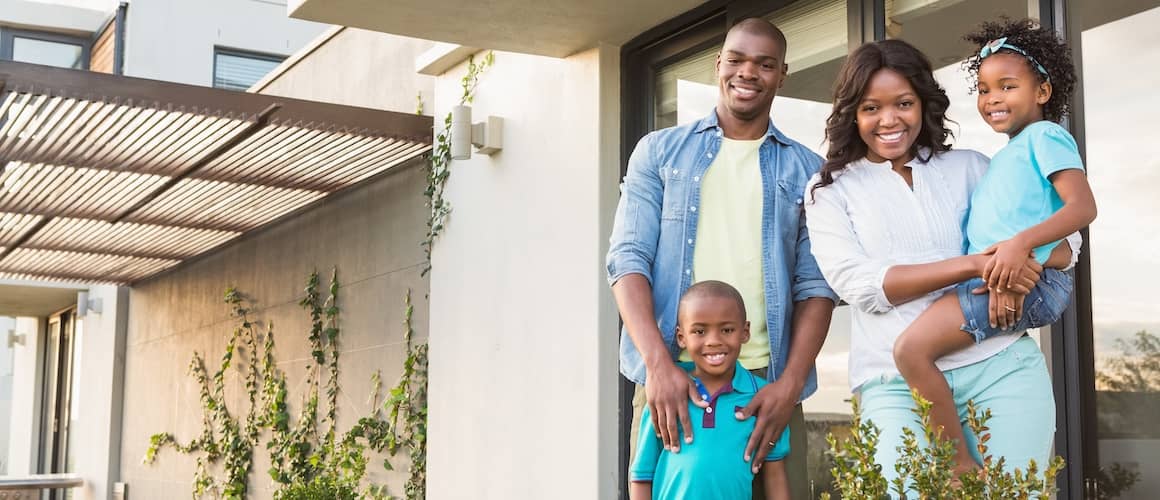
[(789, 199), (676, 192)]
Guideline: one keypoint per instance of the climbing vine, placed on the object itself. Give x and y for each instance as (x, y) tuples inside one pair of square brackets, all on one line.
[(438, 168), (309, 458)]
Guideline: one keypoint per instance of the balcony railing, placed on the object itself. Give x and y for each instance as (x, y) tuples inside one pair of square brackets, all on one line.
[(29, 487)]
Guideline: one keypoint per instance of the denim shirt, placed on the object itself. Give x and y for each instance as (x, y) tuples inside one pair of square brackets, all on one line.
[(656, 229)]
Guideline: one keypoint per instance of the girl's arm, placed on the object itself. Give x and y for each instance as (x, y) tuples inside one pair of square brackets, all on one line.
[(1079, 210), (906, 282)]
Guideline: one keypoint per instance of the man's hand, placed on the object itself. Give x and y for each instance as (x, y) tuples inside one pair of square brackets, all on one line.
[(667, 388), (773, 405)]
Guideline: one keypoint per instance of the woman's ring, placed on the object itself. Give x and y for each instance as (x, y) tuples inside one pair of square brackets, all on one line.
[(1009, 308), (773, 444)]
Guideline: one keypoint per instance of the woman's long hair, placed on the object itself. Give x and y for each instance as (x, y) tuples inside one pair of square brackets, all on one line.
[(846, 145)]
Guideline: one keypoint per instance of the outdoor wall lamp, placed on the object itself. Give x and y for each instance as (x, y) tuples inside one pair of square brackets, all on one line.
[(14, 339), (85, 305), (487, 135)]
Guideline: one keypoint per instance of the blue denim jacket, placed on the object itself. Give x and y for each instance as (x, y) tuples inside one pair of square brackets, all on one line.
[(656, 227)]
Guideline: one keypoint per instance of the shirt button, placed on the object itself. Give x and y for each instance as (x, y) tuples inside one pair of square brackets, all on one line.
[(690, 241), (799, 201), (676, 171), (697, 178), (708, 155), (709, 410), (692, 209), (688, 271)]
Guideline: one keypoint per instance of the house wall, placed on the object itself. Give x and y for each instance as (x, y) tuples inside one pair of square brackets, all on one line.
[(24, 426), (356, 68), (189, 31), (370, 234), (521, 317)]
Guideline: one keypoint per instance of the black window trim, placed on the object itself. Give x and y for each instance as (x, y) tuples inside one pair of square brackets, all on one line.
[(244, 53), (8, 36)]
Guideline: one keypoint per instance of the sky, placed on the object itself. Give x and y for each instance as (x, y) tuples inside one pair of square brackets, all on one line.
[(1121, 105)]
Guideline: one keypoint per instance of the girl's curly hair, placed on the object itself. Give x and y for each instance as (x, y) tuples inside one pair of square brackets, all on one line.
[(846, 145), (1041, 44)]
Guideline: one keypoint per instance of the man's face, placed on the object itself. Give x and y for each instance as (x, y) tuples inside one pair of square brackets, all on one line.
[(750, 69)]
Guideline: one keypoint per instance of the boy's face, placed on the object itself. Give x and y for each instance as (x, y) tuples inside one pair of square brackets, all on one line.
[(712, 329)]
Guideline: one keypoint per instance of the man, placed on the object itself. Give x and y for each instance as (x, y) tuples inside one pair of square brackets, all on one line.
[(721, 198)]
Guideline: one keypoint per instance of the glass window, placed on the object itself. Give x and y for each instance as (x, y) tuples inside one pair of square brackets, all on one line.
[(236, 70), (1121, 51), (47, 52)]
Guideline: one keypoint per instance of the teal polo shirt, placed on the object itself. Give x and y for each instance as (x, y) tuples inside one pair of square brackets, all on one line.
[(713, 466), (1016, 192)]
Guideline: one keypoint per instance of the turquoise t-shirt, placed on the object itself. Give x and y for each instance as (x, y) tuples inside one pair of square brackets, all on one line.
[(1016, 192), (713, 466)]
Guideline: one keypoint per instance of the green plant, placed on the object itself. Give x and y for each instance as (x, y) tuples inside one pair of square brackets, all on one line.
[(924, 468), (309, 458), (439, 164)]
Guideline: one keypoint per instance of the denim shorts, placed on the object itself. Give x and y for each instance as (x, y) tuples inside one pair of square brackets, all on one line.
[(1042, 307)]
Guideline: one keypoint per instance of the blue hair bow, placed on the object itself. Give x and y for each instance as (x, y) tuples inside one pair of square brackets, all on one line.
[(992, 47)]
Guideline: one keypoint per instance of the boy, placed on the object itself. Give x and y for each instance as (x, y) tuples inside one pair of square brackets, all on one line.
[(711, 325)]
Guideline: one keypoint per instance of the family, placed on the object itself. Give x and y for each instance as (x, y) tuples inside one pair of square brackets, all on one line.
[(733, 243)]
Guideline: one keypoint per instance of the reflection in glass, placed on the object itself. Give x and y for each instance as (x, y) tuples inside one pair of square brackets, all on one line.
[(63, 55), (1121, 51)]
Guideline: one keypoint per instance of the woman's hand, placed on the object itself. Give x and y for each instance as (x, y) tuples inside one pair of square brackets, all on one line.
[(1008, 258), (1005, 309)]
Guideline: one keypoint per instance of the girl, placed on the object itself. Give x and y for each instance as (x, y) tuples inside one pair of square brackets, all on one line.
[(885, 217), (1033, 195)]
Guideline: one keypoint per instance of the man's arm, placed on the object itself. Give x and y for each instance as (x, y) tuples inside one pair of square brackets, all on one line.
[(632, 250), (667, 387), (774, 404), (813, 306)]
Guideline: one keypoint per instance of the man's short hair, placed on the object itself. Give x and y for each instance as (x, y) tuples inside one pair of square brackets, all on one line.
[(762, 27), (713, 288)]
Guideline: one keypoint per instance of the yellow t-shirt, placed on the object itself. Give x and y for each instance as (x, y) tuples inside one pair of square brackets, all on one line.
[(728, 246)]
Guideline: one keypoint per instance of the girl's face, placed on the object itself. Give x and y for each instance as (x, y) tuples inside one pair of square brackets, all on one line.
[(889, 118), (1010, 93)]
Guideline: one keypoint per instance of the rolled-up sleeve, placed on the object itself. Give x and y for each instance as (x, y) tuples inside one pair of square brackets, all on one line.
[(850, 271), (808, 281), (636, 229), (1075, 242)]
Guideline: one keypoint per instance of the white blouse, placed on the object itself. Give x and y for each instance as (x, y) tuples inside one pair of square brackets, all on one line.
[(868, 220)]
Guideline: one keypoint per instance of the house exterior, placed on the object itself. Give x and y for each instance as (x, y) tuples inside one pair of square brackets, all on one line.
[(525, 400)]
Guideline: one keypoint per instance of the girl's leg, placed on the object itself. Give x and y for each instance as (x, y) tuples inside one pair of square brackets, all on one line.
[(933, 335), (1015, 385)]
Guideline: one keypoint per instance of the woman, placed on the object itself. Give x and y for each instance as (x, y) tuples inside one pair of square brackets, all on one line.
[(885, 218)]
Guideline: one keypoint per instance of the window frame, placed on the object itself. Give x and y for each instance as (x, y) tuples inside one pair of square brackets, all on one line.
[(243, 53), (8, 38)]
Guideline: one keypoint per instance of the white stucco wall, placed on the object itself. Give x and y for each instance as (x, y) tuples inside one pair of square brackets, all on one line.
[(94, 435), (25, 424), (174, 40), (523, 394)]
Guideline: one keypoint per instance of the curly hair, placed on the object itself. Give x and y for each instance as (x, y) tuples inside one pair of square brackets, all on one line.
[(1041, 44), (846, 145)]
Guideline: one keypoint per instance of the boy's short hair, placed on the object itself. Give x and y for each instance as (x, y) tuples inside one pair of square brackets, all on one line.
[(712, 288)]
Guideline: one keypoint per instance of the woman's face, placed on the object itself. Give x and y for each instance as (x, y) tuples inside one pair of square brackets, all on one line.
[(889, 118)]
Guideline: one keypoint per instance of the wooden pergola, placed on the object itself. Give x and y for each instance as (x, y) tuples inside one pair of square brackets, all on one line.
[(111, 179)]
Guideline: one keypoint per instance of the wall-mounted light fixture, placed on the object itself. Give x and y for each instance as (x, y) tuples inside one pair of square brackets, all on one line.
[(86, 306), (14, 339), (486, 135)]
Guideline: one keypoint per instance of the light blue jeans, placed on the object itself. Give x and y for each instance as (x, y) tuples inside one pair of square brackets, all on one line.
[(1013, 384)]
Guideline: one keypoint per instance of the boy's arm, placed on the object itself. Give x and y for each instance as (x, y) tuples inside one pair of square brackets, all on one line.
[(640, 490), (775, 481), (1079, 210)]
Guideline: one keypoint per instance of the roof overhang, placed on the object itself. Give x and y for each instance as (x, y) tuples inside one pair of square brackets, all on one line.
[(112, 179), (556, 28)]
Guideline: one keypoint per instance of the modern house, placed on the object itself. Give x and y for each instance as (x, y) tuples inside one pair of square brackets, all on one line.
[(525, 400)]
